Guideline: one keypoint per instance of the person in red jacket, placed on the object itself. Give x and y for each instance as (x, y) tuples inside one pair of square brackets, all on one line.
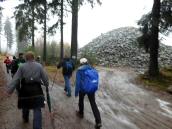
[(7, 61)]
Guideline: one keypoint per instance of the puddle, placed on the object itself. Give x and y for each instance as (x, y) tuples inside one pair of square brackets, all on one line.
[(165, 107)]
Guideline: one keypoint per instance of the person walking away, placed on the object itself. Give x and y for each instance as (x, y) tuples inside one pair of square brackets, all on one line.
[(31, 75), (67, 69), (38, 59), (7, 61), (17, 62), (13, 63), (87, 84)]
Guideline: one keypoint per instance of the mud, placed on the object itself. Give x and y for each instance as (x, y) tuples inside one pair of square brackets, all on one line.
[(122, 104)]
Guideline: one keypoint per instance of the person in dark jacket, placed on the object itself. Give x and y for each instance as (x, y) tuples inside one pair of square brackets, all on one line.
[(68, 67), (30, 75), (12, 64), (16, 63), (38, 59), (91, 96)]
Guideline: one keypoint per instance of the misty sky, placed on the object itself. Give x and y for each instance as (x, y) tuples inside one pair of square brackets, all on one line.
[(92, 22)]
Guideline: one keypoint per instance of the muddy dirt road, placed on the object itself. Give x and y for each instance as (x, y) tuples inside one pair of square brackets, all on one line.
[(122, 104)]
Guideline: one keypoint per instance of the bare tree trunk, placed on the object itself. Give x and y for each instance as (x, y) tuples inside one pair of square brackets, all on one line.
[(33, 27), (45, 30), (61, 29), (0, 42), (0, 26), (154, 44), (74, 37)]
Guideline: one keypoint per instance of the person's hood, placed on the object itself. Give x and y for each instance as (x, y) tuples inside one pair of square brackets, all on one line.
[(84, 67)]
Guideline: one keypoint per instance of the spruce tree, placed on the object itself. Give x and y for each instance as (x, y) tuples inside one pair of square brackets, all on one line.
[(8, 33)]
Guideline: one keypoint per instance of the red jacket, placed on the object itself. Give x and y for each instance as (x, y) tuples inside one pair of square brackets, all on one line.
[(7, 61)]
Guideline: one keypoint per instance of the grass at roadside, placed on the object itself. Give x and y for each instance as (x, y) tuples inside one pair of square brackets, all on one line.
[(2, 57), (2, 82), (56, 75), (162, 82)]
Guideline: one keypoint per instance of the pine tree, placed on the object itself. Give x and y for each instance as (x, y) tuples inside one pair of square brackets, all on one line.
[(25, 16), (45, 31), (59, 8), (0, 26), (159, 20), (8, 33), (154, 40), (74, 36), (21, 44), (61, 31)]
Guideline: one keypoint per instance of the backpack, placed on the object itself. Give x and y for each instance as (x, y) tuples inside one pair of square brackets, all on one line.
[(68, 66), (90, 80), (16, 64)]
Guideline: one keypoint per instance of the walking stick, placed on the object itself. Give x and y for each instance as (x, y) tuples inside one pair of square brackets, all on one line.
[(49, 107), (48, 99), (54, 80)]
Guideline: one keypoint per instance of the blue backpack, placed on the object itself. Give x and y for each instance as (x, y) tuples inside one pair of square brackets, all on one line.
[(68, 66), (90, 80)]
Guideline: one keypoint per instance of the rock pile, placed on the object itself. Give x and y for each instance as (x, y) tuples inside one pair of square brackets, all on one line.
[(119, 47)]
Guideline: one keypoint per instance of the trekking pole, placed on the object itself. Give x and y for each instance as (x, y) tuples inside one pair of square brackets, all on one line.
[(48, 99), (49, 107), (54, 80)]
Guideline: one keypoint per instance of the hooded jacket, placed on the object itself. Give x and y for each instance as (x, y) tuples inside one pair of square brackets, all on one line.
[(79, 78)]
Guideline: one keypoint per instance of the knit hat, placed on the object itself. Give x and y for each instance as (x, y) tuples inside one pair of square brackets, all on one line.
[(83, 61)]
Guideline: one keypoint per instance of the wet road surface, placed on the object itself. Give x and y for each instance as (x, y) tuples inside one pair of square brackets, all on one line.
[(122, 104)]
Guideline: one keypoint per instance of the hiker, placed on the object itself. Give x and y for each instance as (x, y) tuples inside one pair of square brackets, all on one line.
[(7, 61), (38, 59), (12, 63), (16, 63), (87, 84), (68, 67), (30, 75)]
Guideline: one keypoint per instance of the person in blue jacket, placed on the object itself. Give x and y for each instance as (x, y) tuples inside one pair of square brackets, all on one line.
[(67, 69), (91, 96)]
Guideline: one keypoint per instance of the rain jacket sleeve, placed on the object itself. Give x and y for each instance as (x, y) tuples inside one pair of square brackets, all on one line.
[(77, 83), (15, 81)]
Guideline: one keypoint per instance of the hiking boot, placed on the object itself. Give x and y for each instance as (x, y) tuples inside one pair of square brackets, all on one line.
[(65, 90), (78, 114), (25, 120), (68, 95), (98, 126)]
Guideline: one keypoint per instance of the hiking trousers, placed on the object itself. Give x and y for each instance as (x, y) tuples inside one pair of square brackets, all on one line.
[(67, 85), (37, 117), (7, 68), (93, 104)]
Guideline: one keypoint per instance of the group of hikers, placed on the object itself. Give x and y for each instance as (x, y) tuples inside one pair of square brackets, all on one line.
[(29, 75), (13, 65)]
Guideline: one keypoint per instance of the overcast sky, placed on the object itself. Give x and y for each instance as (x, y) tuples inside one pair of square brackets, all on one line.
[(92, 22)]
